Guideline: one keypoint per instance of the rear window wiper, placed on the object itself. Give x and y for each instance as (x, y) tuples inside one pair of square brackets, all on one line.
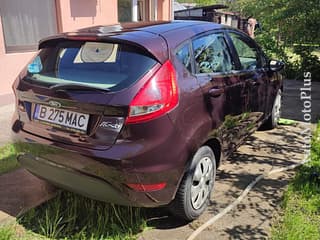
[(76, 86)]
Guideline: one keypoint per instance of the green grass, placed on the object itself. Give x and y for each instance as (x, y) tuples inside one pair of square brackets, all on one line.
[(7, 232), (300, 218), (16, 232), (8, 158), (69, 216)]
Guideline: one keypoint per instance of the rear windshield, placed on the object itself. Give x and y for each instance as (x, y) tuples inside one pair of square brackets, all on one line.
[(110, 66)]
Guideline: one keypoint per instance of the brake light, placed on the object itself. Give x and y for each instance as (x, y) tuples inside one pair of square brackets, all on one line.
[(157, 97)]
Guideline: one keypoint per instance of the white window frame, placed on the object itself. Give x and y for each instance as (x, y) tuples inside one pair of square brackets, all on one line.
[(153, 10)]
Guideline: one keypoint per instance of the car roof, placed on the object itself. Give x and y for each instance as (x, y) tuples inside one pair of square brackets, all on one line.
[(155, 27), (154, 36)]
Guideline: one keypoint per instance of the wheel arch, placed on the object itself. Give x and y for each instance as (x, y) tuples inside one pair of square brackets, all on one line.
[(215, 146)]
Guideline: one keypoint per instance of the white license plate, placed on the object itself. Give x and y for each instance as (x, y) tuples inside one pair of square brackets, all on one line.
[(62, 117)]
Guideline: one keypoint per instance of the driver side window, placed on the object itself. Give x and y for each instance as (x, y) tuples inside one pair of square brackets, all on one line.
[(211, 54), (247, 52)]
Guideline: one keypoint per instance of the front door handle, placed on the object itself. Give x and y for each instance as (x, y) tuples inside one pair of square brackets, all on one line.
[(216, 92)]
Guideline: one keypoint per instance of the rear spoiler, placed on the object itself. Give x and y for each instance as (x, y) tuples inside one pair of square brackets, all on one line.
[(152, 43)]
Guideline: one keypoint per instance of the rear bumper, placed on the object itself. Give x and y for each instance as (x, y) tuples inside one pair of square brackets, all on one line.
[(72, 180), (104, 175), (100, 182)]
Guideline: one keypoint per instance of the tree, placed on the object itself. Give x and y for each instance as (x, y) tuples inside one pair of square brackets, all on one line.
[(200, 2), (295, 20), (287, 24)]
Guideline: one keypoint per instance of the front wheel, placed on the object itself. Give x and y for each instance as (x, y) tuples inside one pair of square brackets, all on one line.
[(272, 121), (195, 189)]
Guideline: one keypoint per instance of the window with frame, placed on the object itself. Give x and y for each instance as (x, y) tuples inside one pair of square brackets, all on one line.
[(125, 10), (211, 54), (24, 23), (248, 53), (184, 55)]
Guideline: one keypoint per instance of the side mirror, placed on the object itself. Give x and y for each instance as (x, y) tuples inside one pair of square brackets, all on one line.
[(275, 65)]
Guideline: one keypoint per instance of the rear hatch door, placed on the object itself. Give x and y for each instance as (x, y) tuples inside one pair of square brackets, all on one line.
[(77, 91)]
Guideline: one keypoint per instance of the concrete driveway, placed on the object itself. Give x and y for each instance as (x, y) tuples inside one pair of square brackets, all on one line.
[(251, 219), (6, 111)]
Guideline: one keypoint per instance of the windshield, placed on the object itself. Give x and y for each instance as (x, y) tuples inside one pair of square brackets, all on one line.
[(102, 65)]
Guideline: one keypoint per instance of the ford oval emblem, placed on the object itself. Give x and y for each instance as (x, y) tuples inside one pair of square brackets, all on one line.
[(54, 104)]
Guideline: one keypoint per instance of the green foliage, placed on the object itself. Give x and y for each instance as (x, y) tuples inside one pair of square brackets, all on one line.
[(308, 61), (69, 216), (200, 2), (301, 217), (287, 24)]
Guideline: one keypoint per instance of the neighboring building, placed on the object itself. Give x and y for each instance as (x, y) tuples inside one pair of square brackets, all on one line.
[(178, 6), (212, 13), (24, 22)]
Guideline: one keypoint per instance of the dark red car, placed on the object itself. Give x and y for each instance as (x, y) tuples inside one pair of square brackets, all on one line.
[(142, 114)]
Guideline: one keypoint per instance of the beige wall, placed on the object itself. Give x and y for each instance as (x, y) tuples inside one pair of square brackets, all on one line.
[(76, 14), (164, 9)]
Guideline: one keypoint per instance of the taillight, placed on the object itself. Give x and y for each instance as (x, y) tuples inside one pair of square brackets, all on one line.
[(157, 97)]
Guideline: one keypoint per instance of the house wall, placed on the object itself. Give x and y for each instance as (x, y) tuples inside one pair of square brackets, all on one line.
[(76, 14), (164, 10)]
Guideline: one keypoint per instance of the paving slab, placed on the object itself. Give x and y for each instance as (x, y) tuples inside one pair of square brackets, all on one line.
[(21, 191), (6, 112)]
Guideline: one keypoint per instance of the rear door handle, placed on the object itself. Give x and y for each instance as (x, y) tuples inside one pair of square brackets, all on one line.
[(216, 92)]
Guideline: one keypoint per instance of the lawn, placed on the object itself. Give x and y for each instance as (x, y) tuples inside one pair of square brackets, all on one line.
[(70, 216), (300, 215), (8, 158)]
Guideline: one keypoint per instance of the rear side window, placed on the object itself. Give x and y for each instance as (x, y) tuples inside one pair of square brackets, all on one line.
[(102, 65), (184, 55), (211, 54)]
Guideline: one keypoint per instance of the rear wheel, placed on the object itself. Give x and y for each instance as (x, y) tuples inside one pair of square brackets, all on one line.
[(195, 189), (272, 121)]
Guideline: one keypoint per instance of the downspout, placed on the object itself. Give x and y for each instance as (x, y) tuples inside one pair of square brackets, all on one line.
[(172, 9)]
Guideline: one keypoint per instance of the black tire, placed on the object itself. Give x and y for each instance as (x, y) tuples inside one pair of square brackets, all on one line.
[(185, 206), (272, 121)]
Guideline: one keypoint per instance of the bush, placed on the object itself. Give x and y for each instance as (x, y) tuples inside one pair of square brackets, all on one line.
[(304, 61)]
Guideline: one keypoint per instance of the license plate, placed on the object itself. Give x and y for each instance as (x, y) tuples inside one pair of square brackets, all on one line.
[(61, 117)]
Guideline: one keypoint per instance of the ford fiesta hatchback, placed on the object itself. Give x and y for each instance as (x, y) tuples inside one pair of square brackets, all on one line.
[(142, 114)]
